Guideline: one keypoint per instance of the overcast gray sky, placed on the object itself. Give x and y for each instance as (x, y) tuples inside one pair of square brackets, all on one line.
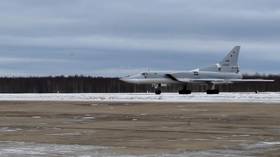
[(120, 37)]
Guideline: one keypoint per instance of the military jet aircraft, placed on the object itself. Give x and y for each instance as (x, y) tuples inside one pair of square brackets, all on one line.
[(224, 72)]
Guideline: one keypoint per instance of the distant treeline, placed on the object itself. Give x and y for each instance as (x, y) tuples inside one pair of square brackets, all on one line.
[(87, 84)]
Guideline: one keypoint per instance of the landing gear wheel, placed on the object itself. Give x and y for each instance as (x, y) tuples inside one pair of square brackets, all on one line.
[(185, 92), (157, 91), (213, 91), (157, 88)]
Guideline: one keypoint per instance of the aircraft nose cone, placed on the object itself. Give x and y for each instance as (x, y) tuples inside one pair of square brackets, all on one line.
[(126, 79)]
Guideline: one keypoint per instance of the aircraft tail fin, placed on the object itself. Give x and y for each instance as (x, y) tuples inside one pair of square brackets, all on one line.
[(232, 58), (228, 64)]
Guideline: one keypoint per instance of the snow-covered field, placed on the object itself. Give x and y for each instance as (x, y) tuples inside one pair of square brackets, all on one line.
[(22, 149), (147, 97)]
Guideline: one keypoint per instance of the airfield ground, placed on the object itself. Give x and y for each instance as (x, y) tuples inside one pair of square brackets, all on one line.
[(243, 129)]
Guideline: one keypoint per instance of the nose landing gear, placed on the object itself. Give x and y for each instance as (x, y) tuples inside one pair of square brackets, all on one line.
[(157, 89)]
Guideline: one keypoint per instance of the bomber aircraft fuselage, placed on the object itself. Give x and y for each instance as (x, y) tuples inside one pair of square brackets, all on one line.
[(224, 72)]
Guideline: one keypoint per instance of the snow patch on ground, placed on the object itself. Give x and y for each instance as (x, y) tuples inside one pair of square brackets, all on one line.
[(7, 129), (147, 97), (22, 149)]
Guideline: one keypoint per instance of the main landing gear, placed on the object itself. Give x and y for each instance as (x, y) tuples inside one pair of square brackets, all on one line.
[(185, 91), (213, 90)]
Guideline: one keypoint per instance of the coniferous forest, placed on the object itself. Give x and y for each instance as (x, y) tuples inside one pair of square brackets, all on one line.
[(87, 84)]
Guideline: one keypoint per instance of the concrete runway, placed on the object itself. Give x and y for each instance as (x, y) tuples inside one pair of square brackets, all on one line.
[(139, 129)]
